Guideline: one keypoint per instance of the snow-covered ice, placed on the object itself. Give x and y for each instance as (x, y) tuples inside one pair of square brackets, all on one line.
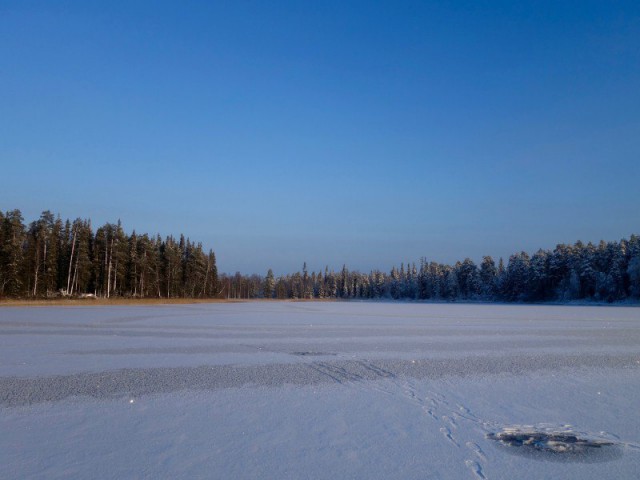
[(320, 390)]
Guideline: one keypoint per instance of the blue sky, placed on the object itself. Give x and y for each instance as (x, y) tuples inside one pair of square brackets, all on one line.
[(366, 133)]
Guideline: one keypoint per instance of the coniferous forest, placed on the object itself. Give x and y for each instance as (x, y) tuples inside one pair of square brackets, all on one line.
[(52, 258)]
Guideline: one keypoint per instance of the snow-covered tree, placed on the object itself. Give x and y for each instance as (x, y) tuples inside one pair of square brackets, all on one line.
[(269, 285)]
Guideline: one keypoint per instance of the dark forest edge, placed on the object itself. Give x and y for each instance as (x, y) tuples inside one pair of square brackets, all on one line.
[(50, 259)]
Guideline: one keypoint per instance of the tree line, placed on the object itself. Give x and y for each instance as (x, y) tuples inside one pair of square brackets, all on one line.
[(50, 258), (607, 272)]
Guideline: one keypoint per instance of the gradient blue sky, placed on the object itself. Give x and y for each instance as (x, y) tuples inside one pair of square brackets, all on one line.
[(366, 133)]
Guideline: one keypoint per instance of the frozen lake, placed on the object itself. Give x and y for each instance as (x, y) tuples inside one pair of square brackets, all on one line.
[(320, 390)]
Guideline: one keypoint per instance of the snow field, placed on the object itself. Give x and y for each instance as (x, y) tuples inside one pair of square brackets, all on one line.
[(314, 390)]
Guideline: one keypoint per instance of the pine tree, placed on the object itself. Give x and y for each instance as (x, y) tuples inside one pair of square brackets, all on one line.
[(468, 279), (396, 283), (269, 284), (488, 276), (51, 275), (450, 284), (84, 278), (517, 277), (634, 276), (12, 278), (436, 280), (538, 276), (344, 283), (320, 290), (212, 276), (307, 287)]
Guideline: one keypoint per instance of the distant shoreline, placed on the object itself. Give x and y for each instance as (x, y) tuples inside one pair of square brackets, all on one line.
[(87, 302), (90, 302)]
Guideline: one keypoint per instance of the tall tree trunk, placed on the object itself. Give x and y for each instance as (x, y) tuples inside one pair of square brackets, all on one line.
[(169, 279), (74, 282), (73, 246), (109, 270), (44, 262), (106, 263), (35, 282), (158, 281), (206, 278), (115, 277)]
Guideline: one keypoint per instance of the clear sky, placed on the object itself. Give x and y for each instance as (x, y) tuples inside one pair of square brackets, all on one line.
[(366, 133)]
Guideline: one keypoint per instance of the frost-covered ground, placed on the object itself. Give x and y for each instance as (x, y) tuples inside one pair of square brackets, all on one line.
[(318, 390)]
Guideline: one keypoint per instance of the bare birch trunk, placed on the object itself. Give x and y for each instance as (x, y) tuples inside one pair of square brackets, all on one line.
[(109, 270), (115, 277), (74, 282), (73, 246), (35, 283), (106, 257), (169, 280), (44, 262), (158, 281)]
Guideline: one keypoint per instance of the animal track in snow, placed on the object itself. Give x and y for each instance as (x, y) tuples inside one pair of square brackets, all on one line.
[(448, 417), (450, 421), (447, 433), (475, 448), (475, 468), (431, 414)]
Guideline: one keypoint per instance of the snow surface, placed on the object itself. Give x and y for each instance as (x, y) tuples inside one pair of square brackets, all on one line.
[(316, 390)]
